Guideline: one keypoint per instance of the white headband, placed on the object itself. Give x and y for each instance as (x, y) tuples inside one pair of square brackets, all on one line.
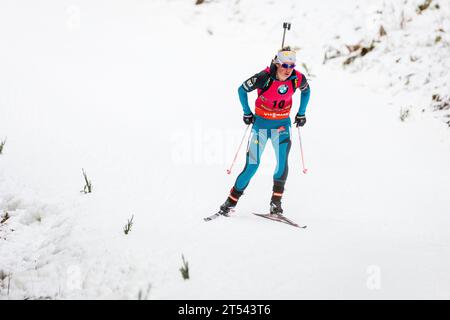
[(286, 57)]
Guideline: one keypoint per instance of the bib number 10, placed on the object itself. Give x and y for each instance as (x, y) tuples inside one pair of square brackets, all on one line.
[(279, 104)]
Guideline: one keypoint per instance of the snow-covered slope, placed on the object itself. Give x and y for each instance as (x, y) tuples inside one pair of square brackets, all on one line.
[(142, 96), (402, 47)]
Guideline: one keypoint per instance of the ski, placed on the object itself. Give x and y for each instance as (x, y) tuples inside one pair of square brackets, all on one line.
[(212, 217), (216, 215), (279, 218)]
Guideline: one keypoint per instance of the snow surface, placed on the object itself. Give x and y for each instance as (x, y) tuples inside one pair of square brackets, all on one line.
[(410, 59), (142, 95)]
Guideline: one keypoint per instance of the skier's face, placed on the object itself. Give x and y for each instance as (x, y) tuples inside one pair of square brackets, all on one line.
[(284, 73)]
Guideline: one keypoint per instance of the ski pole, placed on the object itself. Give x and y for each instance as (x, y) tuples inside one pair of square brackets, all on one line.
[(286, 25), (237, 152), (301, 151)]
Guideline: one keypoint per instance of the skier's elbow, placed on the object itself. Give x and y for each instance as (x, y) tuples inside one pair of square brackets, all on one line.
[(242, 92)]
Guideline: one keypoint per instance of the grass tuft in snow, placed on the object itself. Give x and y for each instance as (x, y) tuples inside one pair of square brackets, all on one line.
[(440, 103), (39, 298), (353, 51), (128, 226), (184, 269), (88, 184), (358, 50), (404, 113), (142, 296), (4, 217), (424, 6), (331, 53), (3, 276), (3, 281), (382, 32), (2, 145), (307, 71)]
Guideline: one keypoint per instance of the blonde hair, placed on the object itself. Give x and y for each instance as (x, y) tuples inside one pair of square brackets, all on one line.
[(286, 48)]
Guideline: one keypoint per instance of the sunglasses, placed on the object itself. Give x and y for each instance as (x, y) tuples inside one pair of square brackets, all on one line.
[(286, 66)]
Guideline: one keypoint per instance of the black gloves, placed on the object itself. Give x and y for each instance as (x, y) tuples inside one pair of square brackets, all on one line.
[(300, 120), (249, 118)]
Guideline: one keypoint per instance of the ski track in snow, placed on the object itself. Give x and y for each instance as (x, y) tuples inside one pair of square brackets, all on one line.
[(97, 93)]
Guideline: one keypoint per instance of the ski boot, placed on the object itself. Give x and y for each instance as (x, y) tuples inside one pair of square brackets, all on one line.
[(231, 202), (226, 207), (275, 207)]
